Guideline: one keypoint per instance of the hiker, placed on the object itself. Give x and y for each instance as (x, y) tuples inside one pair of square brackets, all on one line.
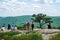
[(27, 26), (12, 28), (15, 27), (32, 26), (49, 26), (9, 27), (3, 28)]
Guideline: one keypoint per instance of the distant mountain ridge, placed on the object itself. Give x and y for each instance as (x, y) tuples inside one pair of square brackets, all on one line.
[(19, 20)]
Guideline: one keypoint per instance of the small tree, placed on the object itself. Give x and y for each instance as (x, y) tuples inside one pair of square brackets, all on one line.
[(48, 20), (41, 19)]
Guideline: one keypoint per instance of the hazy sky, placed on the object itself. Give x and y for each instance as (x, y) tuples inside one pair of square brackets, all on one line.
[(29, 7)]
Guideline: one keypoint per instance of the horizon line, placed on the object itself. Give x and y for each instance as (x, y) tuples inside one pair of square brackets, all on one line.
[(26, 15)]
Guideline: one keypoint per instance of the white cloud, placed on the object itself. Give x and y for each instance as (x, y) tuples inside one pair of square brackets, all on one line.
[(14, 8), (49, 1), (36, 5), (36, 0), (46, 1), (22, 3), (57, 1)]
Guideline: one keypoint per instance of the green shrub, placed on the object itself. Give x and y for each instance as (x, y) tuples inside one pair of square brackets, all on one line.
[(23, 27), (54, 27), (58, 27), (56, 37), (31, 36), (11, 33), (6, 37)]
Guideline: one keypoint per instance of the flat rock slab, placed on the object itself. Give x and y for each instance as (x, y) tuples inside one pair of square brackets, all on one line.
[(48, 33), (47, 36)]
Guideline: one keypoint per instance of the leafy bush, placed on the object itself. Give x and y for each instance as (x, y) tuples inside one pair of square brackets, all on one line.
[(55, 27), (23, 27), (58, 27), (56, 37)]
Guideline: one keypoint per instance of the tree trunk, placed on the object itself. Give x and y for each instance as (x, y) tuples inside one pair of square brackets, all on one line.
[(40, 25), (49, 23)]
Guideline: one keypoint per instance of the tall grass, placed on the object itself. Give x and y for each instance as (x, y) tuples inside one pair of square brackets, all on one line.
[(25, 37), (11, 33), (29, 36), (56, 37)]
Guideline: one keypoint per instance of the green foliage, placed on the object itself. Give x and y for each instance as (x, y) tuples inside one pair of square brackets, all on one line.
[(58, 27), (54, 27), (12, 33), (32, 36), (41, 19), (23, 27), (56, 37), (7, 37), (48, 20), (18, 20)]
